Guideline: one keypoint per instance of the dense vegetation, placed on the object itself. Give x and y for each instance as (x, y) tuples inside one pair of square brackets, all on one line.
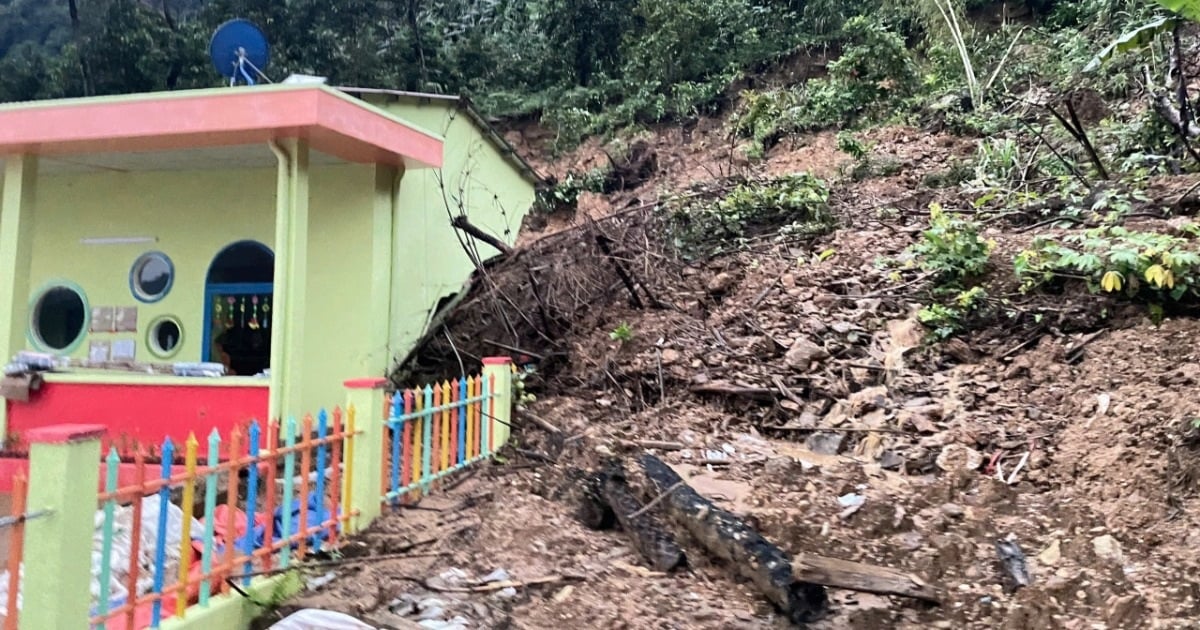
[(1069, 131), (589, 64)]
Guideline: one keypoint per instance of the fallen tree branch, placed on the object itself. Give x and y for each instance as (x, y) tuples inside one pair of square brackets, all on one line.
[(654, 444), (502, 346), (603, 242), (352, 560), (544, 424), (727, 537), (1077, 131), (729, 389), (649, 535), (461, 222), (867, 578), (498, 586), (659, 499)]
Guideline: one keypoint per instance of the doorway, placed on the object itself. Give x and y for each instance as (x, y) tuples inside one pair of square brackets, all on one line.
[(238, 308)]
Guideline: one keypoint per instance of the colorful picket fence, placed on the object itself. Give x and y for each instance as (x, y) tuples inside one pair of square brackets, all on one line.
[(16, 544), (436, 431), (302, 515), (208, 516)]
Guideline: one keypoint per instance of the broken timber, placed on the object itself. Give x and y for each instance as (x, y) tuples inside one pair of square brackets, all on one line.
[(866, 578), (725, 536), (608, 500)]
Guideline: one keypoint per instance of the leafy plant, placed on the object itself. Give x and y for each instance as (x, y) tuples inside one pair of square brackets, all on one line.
[(1142, 36), (849, 144), (1149, 266), (565, 194), (622, 333), (952, 248), (872, 77), (998, 161), (948, 320), (703, 226), (521, 392)]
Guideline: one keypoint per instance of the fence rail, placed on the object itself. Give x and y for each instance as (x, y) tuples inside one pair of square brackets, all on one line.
[(436, 431), (246, 532), (213, 516)]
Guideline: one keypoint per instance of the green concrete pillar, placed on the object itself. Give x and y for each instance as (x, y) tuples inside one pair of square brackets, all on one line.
[(64, 474), (499, 368), (291, 275), (383, 212), (364, 473), (16, 254)]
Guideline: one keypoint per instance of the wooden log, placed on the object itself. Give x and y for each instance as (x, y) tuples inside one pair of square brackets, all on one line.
[(729, 389), (594, 511), (867, 578), (649, 534), (463, 223), (607, 501), (725, 536)]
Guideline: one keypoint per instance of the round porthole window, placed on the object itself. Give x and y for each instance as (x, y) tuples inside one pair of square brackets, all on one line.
[(165, 337), (151, 276), (59, 318)]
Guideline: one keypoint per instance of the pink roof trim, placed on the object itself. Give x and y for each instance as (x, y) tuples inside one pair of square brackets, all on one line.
[(332, 124)]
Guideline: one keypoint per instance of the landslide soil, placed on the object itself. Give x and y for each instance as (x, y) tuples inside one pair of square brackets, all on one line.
[(1094, 417)]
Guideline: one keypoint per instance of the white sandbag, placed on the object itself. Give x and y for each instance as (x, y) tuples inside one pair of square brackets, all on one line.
[(122, 545), (315, 619), (4, 591)]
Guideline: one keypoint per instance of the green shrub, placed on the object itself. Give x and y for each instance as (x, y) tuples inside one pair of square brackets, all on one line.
[(951, 249), (869, 82), (1149, 266), (564, 195), (948, 320), (706, 226)]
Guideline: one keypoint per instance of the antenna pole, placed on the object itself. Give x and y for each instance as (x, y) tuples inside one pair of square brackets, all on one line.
[(241, 65)]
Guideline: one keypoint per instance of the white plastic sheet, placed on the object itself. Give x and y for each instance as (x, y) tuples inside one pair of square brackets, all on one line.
[(316, 619), (122, 545)]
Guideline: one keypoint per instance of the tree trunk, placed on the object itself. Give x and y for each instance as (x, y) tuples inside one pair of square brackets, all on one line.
[(649, 535), (176, 68), (727, 537), (418, 46), (77, 35)]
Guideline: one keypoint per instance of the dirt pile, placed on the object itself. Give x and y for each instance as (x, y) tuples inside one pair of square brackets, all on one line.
[(791, 383)]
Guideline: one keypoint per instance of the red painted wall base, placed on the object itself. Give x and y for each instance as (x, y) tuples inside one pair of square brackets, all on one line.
[(139, 414)]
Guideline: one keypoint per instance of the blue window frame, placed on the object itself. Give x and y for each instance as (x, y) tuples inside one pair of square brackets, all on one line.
[(248, 305)]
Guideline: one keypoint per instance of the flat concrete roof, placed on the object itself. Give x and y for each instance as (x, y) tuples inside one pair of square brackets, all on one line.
[(208, 129)]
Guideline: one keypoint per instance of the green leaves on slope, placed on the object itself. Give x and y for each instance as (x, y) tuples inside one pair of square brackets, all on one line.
[(1141, 36), (1189, 9), (1136, 39)]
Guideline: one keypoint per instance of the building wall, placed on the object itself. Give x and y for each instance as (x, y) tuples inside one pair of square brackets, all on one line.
[(194, 215), (430, 263), (338, 340)]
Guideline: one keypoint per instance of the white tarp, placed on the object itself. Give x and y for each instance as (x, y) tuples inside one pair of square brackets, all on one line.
[(121, 548)]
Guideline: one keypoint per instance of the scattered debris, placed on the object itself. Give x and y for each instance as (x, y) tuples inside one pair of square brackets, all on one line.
[(1012, 561), (1107, 548), (959, 458), (1052, 554)]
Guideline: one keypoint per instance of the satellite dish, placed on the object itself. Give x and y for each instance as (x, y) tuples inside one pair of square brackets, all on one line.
[(239, 51)]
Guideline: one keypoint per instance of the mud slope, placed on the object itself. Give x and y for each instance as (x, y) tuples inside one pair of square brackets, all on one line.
[(830, 392)]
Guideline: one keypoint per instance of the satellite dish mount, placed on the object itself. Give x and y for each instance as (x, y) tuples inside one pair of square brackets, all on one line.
[(239, 51)]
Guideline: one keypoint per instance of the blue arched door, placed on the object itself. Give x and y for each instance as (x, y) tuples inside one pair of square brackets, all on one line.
[(239, 309)]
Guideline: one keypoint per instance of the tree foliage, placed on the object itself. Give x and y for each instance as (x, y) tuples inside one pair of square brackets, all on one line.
[(516, 55), (584, 66)]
